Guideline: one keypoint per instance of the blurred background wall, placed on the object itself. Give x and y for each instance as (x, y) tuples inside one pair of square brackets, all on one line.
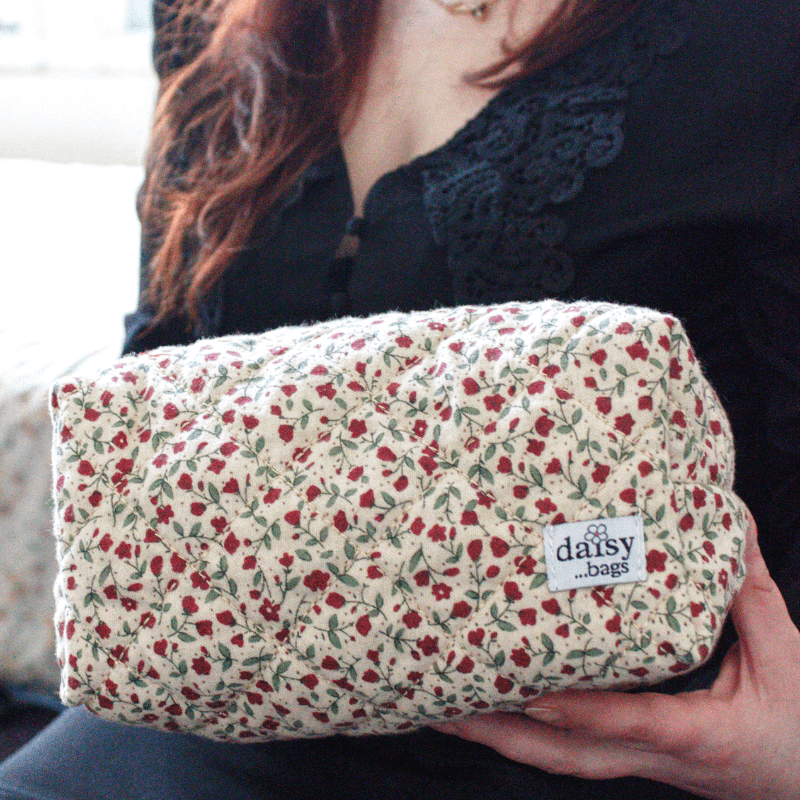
[(75, 80)]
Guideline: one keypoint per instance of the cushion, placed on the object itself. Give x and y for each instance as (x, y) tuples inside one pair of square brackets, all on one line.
[(370, 524)]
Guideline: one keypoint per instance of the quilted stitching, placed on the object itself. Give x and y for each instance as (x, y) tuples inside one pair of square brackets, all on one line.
[(338, 528)]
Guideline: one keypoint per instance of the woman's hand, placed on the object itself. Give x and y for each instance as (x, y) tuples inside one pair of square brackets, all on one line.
[(738, 739)]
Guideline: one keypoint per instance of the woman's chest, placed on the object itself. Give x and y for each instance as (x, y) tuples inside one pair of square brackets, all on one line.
[(416, 92)]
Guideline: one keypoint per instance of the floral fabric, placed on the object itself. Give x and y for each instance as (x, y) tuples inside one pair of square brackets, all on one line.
[(339, 528)]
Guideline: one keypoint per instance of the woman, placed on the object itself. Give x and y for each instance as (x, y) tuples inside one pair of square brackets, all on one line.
[(318, 159)]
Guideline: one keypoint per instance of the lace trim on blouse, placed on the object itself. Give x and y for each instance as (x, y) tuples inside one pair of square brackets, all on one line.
[(490, 192)]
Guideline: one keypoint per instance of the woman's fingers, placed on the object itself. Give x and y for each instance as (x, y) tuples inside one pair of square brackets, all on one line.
[(766, 631)]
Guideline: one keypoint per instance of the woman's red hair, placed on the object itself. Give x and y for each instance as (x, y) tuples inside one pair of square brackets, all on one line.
[(260, 97)]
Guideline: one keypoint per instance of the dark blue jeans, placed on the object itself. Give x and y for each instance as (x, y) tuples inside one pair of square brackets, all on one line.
[(80, 757)]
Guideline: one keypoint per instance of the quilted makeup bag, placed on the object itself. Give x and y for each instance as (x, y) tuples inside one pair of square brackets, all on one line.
[(371, 524)]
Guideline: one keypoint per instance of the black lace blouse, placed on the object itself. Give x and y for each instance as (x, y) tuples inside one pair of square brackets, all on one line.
[(658, 167)]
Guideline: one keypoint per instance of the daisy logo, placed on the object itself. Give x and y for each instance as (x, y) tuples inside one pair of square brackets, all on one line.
[(596, 534)]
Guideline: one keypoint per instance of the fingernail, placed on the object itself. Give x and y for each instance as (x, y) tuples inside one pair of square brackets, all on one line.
[(547, 715)]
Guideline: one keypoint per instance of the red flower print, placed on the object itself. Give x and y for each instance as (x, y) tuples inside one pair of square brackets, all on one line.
[(190, 605), (363, 625), (340, 521), (551, 606), (199, 580), (420, 428), (656, 561), (637, 350), (603, 404), (170, 411), (441, 591), (645, 468), (672, 581), (624, 424), (475, 638), (225, 618), (367, 500), (292, 517), (546, 506), (201, 666), (493, 402), (498, 547), (562, 630), (123, 551), (537, 387), (177, 563), (91, 415), (422, 578), (165, 514), (335, 600), (535, 446), (429, 645), (527, 616), (520, 492), (198, 509), (602, 596), (317, 581), (470, 386), (204, 627), (613, 625), (401, 483), (465, 666), (185, 482), (686, 522), (269, 611), (504, 465), (469, 518), (437, 533), (428, 464), (231, 543), (520, 658), (286, 433), (385, 454), (461, 610), (326, 390), (675, 369), (678, 419), (628, 496), (599, 357), (249, 422), (106, 542), (103, 631), (512, 592), (503, 685), (412, 619), (474, 549), (357, 428), (309, 681), (543, 426), (374, 572), (600, 473), (645, 403), (124, 465)]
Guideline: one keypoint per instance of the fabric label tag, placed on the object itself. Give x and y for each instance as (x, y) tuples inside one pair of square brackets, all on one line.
[(595, 552)]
